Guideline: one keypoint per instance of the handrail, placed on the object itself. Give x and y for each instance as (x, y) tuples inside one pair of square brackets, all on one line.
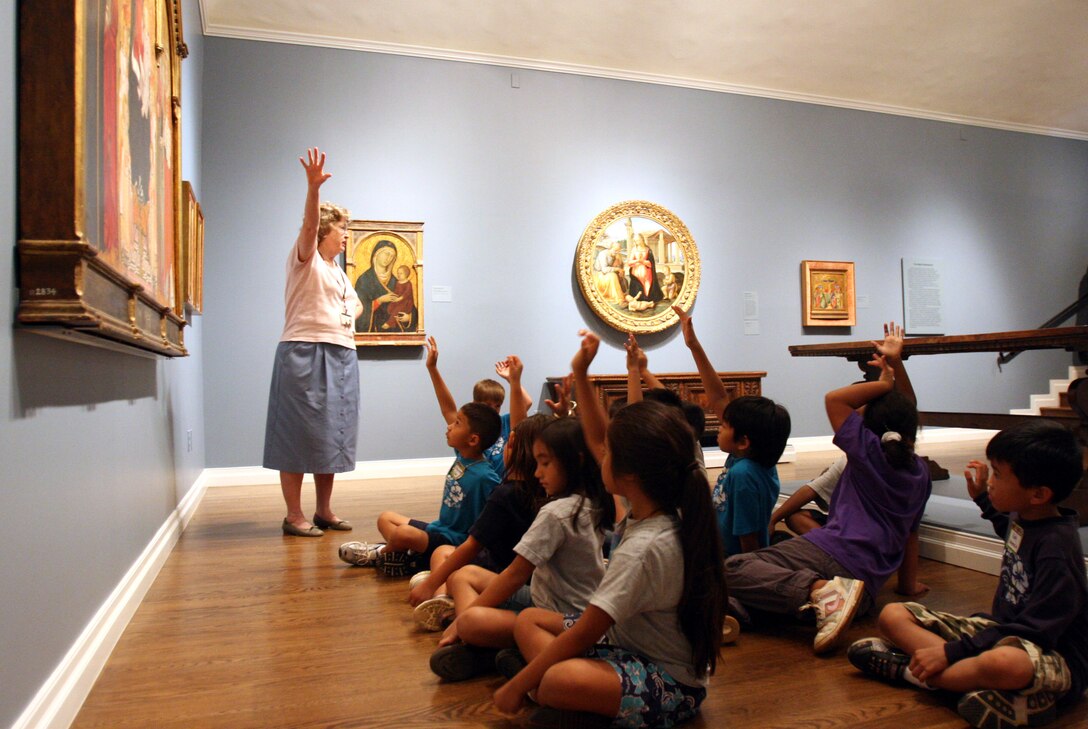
[(1073, 309)]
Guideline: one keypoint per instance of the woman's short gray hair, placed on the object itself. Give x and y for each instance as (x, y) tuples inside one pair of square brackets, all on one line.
[(331, 213)]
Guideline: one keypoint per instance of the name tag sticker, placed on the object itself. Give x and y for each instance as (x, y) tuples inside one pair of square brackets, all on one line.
[(1016, 535)]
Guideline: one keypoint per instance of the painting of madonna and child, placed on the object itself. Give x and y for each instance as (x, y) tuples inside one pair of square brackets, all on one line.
[(384, 263), (633, 268)]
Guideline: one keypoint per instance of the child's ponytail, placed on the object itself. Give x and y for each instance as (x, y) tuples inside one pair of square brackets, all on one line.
[(894, 417), (654, 443)]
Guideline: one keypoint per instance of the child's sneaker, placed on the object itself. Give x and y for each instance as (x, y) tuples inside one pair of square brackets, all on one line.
[(835, 604), (361, 554), (417, 578), (730, 629), (460, 661), (397, 564), (509, 662), (434, 614), (992, 709), (879, 658)]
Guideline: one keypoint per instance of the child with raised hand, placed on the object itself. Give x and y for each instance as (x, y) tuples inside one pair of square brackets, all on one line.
[(469, 482), (1017, 664), (753, 432), (561, 551), (801, 521), (486, 391), (839, 568), (661, 604), (506, 516)]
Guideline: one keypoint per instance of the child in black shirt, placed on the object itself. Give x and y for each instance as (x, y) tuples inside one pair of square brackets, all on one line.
[(1013, 665)]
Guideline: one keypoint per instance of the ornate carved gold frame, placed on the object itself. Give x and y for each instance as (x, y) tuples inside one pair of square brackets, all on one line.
[(673, 239)]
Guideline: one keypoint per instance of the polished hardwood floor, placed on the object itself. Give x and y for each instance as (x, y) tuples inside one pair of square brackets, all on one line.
[(246, 628)]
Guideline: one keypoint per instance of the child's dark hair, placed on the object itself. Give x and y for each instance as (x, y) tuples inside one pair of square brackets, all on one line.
[(1041, 453), (563, 437), (521, 468), (653, 443), (765, 423), (897, 413), (484, 422), (489, 392), (692, 413)]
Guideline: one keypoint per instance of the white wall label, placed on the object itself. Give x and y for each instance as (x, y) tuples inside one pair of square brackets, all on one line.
[(923, 283), (441, 293)]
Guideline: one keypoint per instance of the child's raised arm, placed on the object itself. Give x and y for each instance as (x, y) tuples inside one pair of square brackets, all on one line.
[(634, 369), (842, 402), (712, 384), (519, 398), (892, 350), (446, 403), (594, 418), (504, 368)]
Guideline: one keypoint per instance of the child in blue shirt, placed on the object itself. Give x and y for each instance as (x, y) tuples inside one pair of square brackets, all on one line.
[(469, 482), (753, 432)]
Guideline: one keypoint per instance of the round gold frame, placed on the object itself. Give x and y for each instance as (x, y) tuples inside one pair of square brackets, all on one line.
[(673, 243)]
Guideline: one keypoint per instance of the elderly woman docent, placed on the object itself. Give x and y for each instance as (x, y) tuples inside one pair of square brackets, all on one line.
[(313, 403)]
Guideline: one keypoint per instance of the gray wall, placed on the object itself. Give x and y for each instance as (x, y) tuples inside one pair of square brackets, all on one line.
[(92, 443), (506, 180)]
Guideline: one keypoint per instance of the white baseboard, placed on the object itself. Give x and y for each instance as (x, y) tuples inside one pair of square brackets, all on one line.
[(982, 554), (58, 701)]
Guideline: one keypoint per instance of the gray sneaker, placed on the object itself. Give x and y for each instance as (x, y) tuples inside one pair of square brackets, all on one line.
[(434, 614), (993, 709), (361, 554)]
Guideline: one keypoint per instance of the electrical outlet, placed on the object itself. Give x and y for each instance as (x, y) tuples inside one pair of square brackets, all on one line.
[(189, 440)]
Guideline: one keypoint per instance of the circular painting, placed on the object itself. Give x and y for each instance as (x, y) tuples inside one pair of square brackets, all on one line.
[(635, 261)]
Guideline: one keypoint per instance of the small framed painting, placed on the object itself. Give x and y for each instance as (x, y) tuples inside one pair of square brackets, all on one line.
[(384, 261), (827, 294)]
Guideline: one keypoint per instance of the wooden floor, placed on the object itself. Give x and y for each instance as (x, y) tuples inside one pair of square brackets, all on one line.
[(246, 628)]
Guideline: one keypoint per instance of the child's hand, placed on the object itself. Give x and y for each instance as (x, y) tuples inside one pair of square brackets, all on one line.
[(916, 590), (508, 699), (502, 368), (636, 359), (977, 475), (514, 368), (887, 374), (419, 593), (686, 327), (432, 353), (892, 346), (928, 662), (585, 354), (561, 408), (449, 635)]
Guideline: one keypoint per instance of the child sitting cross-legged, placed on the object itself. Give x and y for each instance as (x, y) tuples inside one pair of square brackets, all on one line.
[(469, 482), (753, 432), (1014, 665), (838, 569), (505, 518), (660, 606), (561, 551)]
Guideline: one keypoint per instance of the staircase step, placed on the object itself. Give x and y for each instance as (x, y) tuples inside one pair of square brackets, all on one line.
[(1056, 412)]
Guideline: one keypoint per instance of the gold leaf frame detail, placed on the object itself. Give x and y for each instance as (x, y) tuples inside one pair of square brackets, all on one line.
[(661, 315)]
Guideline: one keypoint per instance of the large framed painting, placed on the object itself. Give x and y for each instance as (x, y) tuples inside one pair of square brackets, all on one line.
[(634, 262), (827, 294), (100, 172), (384, 261)]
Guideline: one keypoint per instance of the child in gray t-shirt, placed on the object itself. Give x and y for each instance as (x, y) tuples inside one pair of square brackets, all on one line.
[(661, 604)]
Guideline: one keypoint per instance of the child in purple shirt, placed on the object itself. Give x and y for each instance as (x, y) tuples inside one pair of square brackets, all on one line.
[(879, 501)]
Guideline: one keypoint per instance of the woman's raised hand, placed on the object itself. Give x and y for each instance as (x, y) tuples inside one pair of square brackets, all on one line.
[(314, 164)]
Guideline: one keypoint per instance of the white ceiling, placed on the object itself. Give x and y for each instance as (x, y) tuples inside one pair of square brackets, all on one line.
[(1008, 64)]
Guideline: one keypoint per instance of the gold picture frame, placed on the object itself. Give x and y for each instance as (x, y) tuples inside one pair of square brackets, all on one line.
[(634, 262), (828, 297), (99, 232), (384, 262)]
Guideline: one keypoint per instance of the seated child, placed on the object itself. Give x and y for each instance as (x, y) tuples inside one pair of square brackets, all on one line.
[(506, 516), (1014, 665), (561, 551), (490, 393), (400, 311), (753, 432), (660, 606), (839, 568), (469, 483)]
